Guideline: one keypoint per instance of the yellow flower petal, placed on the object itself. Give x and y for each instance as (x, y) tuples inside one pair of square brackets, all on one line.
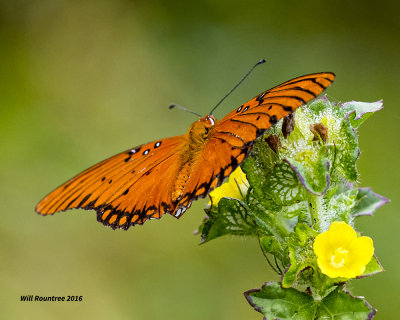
[(236, 187), (363, 248), (341, 253), (322, 243)]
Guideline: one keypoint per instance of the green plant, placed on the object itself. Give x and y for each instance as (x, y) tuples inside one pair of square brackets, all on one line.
[(300, 197)]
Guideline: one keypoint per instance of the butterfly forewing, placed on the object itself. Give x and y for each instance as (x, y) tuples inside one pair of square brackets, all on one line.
[(252, 118), (125, 189)]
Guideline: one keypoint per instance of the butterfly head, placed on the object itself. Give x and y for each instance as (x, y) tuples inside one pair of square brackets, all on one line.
[(201, 130)]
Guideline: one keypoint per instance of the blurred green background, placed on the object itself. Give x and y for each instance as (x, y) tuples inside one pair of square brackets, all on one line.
[(83, 80)]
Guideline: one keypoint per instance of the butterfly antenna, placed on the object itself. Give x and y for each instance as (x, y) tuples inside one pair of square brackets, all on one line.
[(184, 109), (238, 84)]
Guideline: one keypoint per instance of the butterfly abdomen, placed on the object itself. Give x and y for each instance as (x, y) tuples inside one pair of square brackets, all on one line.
[(179, 186)]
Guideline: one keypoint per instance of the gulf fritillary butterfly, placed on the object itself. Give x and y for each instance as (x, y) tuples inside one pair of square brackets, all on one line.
[(165, 176)]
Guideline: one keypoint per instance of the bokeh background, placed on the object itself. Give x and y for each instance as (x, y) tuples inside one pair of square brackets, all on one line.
[(83, 80)]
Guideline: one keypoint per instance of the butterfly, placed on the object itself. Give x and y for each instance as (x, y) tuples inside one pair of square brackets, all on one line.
[(166, 175)]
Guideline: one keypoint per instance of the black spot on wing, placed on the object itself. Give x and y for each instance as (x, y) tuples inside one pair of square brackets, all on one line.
[(287, 108)]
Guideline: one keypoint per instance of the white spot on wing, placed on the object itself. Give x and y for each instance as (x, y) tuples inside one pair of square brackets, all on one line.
[(179, 212)]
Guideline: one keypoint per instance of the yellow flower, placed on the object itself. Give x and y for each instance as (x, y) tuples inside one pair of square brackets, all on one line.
[(236, 187), (340, 253)]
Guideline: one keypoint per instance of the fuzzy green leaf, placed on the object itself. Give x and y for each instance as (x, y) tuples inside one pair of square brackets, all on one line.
[(367, 202), (270, 245), (347, 150), (261, 162), (340, 305), (312, 169), (339, 208), (230, 218), (283, 185), (317, 107), (301, 255), (358, 112), (254, 173), (275, 302), (373, 267)]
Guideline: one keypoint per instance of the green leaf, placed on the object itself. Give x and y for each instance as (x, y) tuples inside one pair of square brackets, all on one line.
[(301, 254), (258, 165), (275, 302), (230, 218), (254, 173), (358, 112), (347, 150), (367, 202), (339, 208), (298, 209), (312, 168), (283, 185), (373, 267), (340, 305), (270, 245), (317, 107), (295, 268)]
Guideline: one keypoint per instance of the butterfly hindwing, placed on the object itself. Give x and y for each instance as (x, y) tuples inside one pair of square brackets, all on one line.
[(217, 161)]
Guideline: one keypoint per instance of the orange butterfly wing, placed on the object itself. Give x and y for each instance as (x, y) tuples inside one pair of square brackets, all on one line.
[(246, 123), (235, 134), (126, 189)]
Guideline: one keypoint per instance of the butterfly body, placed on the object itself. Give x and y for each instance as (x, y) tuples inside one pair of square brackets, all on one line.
[(197, 136), (165, 176)]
